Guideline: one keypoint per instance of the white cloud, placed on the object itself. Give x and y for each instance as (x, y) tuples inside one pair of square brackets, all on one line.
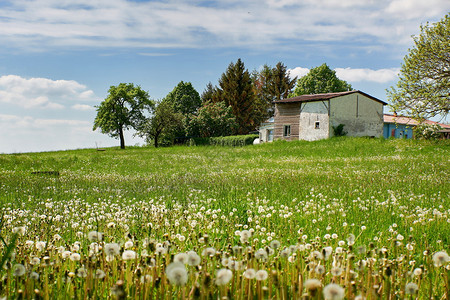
[(38, 24), (83, 107), (42, 92), (356, 75)]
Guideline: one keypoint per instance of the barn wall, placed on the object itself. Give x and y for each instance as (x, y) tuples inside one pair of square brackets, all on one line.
[(314, 121), (286, 114), (361, 115)]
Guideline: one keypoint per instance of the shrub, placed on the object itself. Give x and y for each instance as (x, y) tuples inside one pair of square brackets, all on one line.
[(234, 140), (427, 131), (339, 130)]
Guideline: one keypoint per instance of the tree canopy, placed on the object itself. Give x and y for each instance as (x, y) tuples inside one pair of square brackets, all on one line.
[(184, 98), (236, 90), (124, 108), (423, 89), (164, 124), (320, 80)]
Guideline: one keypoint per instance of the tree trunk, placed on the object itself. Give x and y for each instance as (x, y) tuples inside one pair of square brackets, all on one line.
[(122, 139)]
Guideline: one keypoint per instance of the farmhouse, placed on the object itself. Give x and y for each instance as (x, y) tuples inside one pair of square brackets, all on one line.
[(312, 117)]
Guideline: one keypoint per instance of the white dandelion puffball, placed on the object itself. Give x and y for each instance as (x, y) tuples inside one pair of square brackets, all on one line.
[(223, 276), (210, 252), (250, 273), (128, 255), (312, 284), (112, 249), (181, 257), (75, 257), (333, 292), (95, 236), (99, 274), (128, 244), (177, 273), (411, 288), (193, 258), (440, 258), (261, 275), (18, 270)]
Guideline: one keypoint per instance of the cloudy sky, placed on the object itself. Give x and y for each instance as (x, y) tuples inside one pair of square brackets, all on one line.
[(59, 57)]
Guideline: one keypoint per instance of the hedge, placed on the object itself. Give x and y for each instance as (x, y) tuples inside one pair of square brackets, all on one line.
[(233, 140)]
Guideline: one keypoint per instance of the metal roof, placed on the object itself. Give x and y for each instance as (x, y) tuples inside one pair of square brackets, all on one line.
[(326, 96)]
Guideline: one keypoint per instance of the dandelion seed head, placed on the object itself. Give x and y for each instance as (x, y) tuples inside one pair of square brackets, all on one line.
[(250, 273), (440, 258), (261, 275), (177, 274), (223, 276), (18, 270), (333, 292), (128, 255), (411, 288)]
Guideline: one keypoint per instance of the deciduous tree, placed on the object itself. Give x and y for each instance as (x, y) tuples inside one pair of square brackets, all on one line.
[(320, 80), (124, 108), (423, 89), (184, 98)]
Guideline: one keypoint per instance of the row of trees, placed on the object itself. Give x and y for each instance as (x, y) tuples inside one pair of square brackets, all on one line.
[(237, 105)]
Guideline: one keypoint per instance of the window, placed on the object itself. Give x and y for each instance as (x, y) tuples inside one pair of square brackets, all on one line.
[(287, 130), (317, 125)]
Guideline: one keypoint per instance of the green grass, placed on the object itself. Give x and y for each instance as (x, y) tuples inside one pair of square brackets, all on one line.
[(375, 189)]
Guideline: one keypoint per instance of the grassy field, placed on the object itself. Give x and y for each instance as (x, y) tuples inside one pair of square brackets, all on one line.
[(333, 219)]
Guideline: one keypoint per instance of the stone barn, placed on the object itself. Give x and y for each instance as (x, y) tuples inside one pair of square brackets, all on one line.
[(312, 117)]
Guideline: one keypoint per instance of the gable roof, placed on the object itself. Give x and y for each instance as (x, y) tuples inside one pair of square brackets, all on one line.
[(326, 96), (388, 118)]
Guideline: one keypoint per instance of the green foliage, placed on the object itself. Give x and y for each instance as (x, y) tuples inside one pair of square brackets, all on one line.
[(236, 90), (184, 98), (320, 80), (426, 131), (339, 130), (212, 119), (272, 84), (164, 124), (423, 89), (232, 141), (124, 108)]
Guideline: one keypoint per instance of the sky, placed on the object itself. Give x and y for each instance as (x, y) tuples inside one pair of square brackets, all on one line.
[(58, 58)]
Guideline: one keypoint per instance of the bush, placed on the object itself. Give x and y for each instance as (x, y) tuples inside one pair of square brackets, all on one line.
[(426, 131), (339, 130), (234, 140)]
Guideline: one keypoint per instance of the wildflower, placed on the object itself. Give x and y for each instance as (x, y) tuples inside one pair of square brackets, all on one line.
[(417, 272), (128, 244), (35, 261), (112, 249), (34, 276), (261, 275), (193, 258), (20, 230), (400, 237), (250, 273), (40, 245), (146, 278), (440, 258), (18, 270), (223, 276), (312, 285), (245, 236), (99, 274), (261, 254), (411, 288), (333, 292), (209, 252), (65, 254), (181, 257), (95, 236), (319, 269), (336, 271), (275, 244), (128, 255), (81, 272), (177, 273), (75, 257), (351, 239)]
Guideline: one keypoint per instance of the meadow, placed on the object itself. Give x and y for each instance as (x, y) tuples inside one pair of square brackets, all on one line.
[(345, 218)]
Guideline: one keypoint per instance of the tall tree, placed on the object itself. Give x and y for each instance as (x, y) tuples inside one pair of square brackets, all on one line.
[(320, 80), (273, 84), (164, 123), (124, 108), (184, 98), (236, 90), (423, 89)]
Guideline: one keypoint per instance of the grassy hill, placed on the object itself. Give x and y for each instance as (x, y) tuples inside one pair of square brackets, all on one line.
[(377, 192)]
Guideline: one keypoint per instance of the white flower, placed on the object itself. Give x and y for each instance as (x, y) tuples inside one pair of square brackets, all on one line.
[(411, 288), (440, 258), (128, 255), (209, 252), (35, 261), (112, 249), (261, 275), (99, 274), (193, 258), (250, 273), (128, 244), (82, 272), (40, 245), (95, 236), (177, 273), (312, 284), (417, 272), (65, 254), (181, 257), (261, 254), (333, 292), (18, 270), (223, 276), (75, 257)]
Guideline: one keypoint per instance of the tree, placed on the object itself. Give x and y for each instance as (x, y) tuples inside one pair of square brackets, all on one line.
[(236, 90), (320, 80), (209, 94), (124, 108), (423, 89), (213, 119), (273, 84), (164, 123), (184, 98)]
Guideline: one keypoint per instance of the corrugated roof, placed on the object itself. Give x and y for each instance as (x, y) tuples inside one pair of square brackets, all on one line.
[(388, 118), (326, 96)]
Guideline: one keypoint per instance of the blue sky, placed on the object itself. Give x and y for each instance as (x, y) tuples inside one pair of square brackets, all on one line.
[(59, 57)]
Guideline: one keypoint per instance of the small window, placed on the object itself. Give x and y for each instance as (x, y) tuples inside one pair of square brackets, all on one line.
[(317, 125), (287, 130)]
